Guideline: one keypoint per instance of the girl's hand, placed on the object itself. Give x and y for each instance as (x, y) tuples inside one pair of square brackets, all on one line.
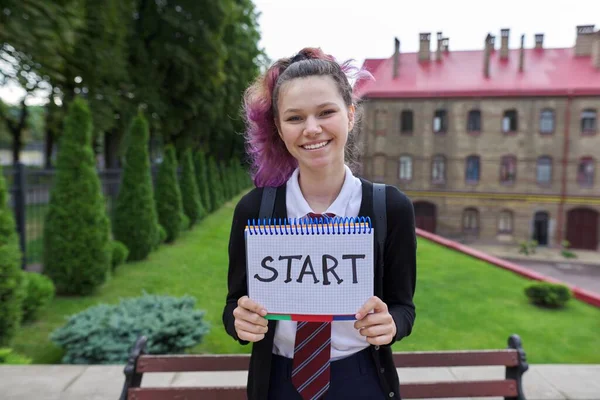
[(379, 326), (249, 322)]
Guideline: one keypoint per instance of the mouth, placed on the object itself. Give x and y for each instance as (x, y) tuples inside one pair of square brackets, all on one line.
[(316, 146)]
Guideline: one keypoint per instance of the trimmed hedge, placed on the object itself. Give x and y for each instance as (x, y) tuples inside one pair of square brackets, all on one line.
[(192, 205), (7, 356), (169, 205), (76, 253), (11, 286), (119, 254), (135, 222), (39, 292), (202, 180), (104, 334), (215, 186)]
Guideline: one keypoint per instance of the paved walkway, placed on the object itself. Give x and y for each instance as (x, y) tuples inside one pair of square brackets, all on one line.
[(70, 382), (587, 257)]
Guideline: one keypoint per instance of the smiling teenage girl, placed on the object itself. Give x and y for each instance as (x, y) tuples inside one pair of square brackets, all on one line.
[(301, 116)]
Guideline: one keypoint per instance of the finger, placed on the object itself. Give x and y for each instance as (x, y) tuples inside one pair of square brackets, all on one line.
[(249, 316), (376, 330), (380, 340), (251, 305), (374, 303), (374, 319), (249, 327), (250, 337)]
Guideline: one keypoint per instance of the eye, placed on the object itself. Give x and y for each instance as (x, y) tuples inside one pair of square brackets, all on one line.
[(293, 119), (328, 112)]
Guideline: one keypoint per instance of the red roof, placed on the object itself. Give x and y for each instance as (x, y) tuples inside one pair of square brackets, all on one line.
[(547, 72)]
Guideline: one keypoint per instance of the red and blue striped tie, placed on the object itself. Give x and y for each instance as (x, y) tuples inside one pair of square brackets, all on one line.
[(312, 351)]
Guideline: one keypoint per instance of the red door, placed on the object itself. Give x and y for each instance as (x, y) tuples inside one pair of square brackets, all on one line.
[(425, 216), (582, 228)]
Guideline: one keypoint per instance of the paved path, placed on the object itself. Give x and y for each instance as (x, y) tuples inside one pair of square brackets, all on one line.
[(580, 275), (70, 382)]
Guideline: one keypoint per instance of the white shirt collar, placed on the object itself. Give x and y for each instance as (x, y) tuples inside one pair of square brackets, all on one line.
[(297, 207)]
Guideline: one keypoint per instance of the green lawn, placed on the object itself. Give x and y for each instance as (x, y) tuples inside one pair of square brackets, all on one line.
[(461, 302)]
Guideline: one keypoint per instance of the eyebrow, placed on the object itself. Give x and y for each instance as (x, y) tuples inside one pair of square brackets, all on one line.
[(327, 104)]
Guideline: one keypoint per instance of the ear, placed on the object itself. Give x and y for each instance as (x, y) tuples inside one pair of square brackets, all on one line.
[(351, 112), (276, 122)]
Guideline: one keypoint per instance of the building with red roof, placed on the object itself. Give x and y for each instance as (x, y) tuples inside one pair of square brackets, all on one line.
[(496, 145)]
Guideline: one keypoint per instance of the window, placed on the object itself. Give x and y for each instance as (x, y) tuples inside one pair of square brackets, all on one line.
[(544, 170), (588, 122), (472, 169), (508, 169), (405, 168), (547, 121), (509, 121), (380, 122), (471, 221), (585, 171), (474, 121), (438, 169), (406, 121), (440, 121), (505, 222)]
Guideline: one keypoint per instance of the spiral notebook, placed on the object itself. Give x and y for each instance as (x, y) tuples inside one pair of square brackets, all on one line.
[(310, 270)]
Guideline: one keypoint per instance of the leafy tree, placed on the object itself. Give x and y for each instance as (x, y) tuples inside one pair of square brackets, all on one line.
[(135, 221), (76, 252), (168, 195)]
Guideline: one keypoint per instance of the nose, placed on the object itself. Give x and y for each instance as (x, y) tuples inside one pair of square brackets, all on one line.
[(312, 126)]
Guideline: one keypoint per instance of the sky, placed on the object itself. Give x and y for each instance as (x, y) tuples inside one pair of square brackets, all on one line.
[(359, 29)]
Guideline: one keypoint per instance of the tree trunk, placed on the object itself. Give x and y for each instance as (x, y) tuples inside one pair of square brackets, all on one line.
[(16, 131), (49, 144)]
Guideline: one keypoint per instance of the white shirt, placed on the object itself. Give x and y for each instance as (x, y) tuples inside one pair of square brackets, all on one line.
[(345, 339)]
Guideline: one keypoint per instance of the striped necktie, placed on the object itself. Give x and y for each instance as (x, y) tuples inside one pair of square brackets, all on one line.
[(312, 351)]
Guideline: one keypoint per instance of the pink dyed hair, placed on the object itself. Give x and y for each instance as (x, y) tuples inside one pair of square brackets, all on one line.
[(270, 162)]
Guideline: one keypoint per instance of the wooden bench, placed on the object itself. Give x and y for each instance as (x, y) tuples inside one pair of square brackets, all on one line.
[(513, 359)]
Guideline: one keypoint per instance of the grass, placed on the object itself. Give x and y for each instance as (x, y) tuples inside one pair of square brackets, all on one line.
[(462, 303)]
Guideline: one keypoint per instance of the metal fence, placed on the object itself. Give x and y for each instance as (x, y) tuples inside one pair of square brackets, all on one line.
[(29, 196)]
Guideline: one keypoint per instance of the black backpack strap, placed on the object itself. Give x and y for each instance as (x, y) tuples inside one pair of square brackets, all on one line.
[(380, 222), (267, 203)]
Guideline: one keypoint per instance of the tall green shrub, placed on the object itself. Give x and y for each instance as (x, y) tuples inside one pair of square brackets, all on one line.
[(192, 206), (135, 222), (11, 287), (214, 184), (168, 195), (76, 252), (202, 180)]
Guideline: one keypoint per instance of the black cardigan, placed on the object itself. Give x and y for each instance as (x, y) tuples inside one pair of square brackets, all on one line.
[(396, 290)]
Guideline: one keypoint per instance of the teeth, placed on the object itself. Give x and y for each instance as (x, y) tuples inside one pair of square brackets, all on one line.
[(315, 146)]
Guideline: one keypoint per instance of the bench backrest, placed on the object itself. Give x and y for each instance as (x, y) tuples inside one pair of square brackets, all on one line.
[(513, 359)]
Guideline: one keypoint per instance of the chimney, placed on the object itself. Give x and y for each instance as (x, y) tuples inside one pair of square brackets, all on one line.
[(487, 48), (424, 52), (596, 51), (446, 45), (438, 52), (396, 57), (584, 40), (522, 53), (539, 41), (504, 33)]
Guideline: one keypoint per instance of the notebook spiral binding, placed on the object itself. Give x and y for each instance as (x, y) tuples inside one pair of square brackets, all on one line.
[(310, 226)]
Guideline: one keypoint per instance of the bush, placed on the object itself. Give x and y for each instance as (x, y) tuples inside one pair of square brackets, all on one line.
[(169, 205), (11, 287), (552, 295), (76, 253), (162, 234), (566, 253), (120, 252), (104, 334), (135, 220), (192, 206), (202, 180), (7, 356), (39, 292)]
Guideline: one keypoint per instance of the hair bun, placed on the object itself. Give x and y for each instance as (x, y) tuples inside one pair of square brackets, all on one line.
[(299, 57)]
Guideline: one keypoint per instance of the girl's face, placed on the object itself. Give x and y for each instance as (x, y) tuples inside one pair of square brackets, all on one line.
[(314, 121)]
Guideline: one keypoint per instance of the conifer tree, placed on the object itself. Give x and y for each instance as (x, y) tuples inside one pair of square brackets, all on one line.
[(192, 206), (169, 204)]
